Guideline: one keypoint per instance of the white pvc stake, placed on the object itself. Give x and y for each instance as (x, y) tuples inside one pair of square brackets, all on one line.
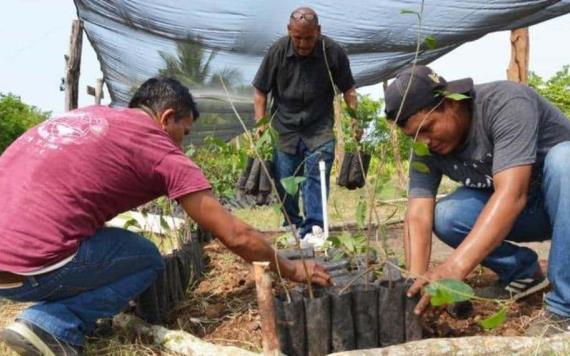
[(322, 168)]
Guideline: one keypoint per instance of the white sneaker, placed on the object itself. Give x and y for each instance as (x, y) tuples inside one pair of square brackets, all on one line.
[(315, 239)]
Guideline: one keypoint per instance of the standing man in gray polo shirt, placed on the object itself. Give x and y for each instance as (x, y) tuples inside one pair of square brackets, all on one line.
[(299, 71), (510, 150)]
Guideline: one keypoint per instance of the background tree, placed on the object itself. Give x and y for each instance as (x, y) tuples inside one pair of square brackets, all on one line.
[(556, 89), (15, 118), (192, 66)]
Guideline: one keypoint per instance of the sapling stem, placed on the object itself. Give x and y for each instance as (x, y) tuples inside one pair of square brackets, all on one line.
[(274, 189)]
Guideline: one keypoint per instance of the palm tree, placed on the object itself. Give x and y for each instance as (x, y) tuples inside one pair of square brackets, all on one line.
[(192, 66)]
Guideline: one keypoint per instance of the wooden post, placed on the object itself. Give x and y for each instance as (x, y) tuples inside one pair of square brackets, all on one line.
[(97, 92), (73, 63), (518, 66), (266, 309), (339, 149)]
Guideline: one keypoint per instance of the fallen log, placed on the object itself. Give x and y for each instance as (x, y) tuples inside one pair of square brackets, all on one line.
[(475, 345), (176, 341)]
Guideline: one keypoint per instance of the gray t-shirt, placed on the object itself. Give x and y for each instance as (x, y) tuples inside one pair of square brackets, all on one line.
[(511, 126)]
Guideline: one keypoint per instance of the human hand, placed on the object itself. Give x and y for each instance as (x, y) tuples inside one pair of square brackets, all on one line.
[(317, 273), (259, 131), (443, 271)]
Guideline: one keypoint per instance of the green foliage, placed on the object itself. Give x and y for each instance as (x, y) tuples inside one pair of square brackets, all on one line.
[(420, 167), (494, 320), (449, 291), (430, 42), (421, 149), (263, 121), (192, 66), (132, 222), (456, 96), (556, 89), (291, 184), (350, 245), (221, 162), (265, 144), (408, 12), (376, 138), (15, 118), (388, 187)]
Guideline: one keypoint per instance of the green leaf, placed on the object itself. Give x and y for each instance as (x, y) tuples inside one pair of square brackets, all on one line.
[(430, 42), (277, 209), (420, 167), (449, 291), (291, 184), (262, 122), (452, 96), (494, 320), (265, 139), (273, 135), (361, 214), (408, 12), (217, 142), (350, 111), (389, 190), (164, 224), (456, 96), (131, 222), (421, 149)]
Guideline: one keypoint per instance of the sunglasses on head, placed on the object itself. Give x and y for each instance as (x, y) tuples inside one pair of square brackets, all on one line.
[(297, 16)]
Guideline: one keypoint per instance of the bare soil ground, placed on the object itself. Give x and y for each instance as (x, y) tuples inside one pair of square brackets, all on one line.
[(222, 309)]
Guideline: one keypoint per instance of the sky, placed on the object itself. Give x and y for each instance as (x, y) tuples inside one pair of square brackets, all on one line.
[(33, 45)]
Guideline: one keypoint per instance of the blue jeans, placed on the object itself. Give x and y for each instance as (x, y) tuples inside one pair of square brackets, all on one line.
[(546, 216), (110, 268), (304, 163)]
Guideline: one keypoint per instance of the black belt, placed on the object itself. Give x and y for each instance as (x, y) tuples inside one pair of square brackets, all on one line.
[(9, 278)]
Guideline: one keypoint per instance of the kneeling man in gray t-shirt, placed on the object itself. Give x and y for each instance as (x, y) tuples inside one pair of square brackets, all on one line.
[(510, 149)]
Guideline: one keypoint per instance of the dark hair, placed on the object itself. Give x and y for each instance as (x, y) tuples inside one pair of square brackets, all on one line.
[(161, 93)]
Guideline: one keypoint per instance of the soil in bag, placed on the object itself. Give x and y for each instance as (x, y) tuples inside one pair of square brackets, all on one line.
[(252, 183), (391, 306), (413, 326), (342, 178), (244, 175), (356, 176), (172, 295), (318, 320), (365, 314), (147, 306), (264, 179), (176, 280), (296, 253), (291, 324), (162, 296), (336, 265), (342, 326)]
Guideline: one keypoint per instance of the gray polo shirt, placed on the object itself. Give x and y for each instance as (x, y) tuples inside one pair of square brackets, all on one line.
[(302, 91), (511, 126)]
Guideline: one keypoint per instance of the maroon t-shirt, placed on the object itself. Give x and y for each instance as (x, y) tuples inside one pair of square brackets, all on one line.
[(62, 180)]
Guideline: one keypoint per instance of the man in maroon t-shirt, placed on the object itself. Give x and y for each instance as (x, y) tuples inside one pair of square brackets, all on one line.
[(62, 180)]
